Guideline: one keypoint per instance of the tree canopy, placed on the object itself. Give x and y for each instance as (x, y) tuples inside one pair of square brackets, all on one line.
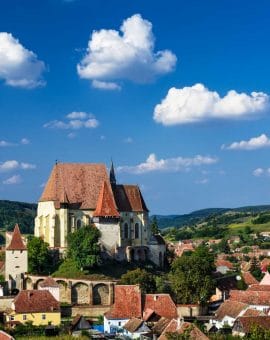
[(39, 259), (141, 277), (191, 276), (83, 247)]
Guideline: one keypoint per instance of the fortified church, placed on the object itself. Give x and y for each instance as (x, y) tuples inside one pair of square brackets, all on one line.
[(80, 194)]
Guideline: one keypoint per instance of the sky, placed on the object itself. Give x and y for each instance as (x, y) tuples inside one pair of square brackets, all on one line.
[(175, 92)]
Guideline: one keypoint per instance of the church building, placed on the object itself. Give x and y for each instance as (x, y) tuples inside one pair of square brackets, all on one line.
[(80, 194)]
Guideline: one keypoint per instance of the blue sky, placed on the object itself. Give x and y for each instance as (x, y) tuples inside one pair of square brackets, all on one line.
[(176, 92)]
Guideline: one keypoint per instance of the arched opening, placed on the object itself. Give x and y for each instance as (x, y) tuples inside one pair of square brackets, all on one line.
[(80, 294), (37, 284), (28, 284), (126, 231), (137, 230), (101, 294), (63, 291)]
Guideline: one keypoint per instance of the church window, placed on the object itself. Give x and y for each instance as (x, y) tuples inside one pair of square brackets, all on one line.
[(137, 230), (125, 230), (79, 223)]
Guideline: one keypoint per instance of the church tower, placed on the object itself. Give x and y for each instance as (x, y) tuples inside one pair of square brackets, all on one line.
[(112, 175), (16, 264)]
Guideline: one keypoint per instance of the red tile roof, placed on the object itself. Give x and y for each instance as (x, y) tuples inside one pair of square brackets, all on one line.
[(49, 282), (106, 205), (249, 278), (223, 263), (259, 287), (248, 322), (253, 312), (175, 326), (160, 304), (251, 297), (16, 242), (129, 198), (5, 336), (35, 301), (230, 308), (127, 302), (76, 183)]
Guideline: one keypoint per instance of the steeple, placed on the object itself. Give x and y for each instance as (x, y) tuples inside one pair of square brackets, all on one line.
[(112, 175), (16, 242)]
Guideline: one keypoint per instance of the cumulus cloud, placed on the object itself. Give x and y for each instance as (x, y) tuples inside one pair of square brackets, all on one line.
[(4, 144), (125, 54), (128, 140), (74, 121), (15, 165), (254, 143), (25, 141), (19, 67), (16, 179), (258, 172), (197, 103), (167, 165), (202, 181)]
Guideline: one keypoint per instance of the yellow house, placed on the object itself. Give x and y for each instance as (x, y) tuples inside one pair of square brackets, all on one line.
[(36, 306)]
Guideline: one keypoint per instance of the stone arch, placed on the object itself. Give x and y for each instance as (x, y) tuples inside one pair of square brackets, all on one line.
[(28, 284), (37, 283), (80, 294), (63, 291), (101, 294)]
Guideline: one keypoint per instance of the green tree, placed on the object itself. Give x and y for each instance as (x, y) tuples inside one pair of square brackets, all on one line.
[(223, 246), (255, 268), (191, 277), (141, 277), (154, 226), (83, 247), (257, 333), (39, 259)]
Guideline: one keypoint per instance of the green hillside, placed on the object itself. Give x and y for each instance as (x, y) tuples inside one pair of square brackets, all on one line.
[(12, 212)]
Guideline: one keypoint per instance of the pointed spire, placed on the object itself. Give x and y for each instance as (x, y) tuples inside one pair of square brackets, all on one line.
[(112, 174), (106, 205), (16, 242)]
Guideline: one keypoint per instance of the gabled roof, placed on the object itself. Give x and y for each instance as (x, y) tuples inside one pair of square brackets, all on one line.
[(159, 326), (76, 184), (223, 263), (175, 326), (35, 301), (253, 312), (106, 205), (49, 282), (133, 324), (249, 278), (129, 198), (230, 308), (248, 322), (266, 279), (160, 304), (16, 242), (260, 298), (127, 302)]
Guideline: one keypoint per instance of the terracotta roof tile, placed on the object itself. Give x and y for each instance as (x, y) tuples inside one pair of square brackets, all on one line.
[(260, 298), (159, 326), (253, 312), (259, 288), (249, 278), (5, 336), (180, 327), (16, 242), (106, 205), (161, 304), (127, 302), (129, 198), (34, 301), (230, 308), (133, 324), (223, 263), (49, 282), (76, 183), (248, 322)]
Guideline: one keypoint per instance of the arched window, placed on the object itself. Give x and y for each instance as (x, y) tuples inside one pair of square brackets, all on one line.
[(125, 230), (78, 224), (137, 231)]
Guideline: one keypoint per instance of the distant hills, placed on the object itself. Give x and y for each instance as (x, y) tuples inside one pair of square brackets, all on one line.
[(12, 212), (200, 216)]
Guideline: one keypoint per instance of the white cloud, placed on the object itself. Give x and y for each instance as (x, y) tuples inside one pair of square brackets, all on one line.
[(75, 121), (4, 144), (25, 141), (16, 179), (19, 67), (202, 181), (167, 165), (124, 54), (254, 143), (197, 103), (105, 85), (258, 172), (128, 140), (14, 165), (71, 135)]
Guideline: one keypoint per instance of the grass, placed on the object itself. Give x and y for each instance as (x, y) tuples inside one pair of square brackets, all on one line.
[(235, 228)]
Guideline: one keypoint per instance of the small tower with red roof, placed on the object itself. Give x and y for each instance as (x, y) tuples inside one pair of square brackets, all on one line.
[(16, 264)]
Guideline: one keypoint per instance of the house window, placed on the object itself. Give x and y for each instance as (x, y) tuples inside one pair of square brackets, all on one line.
[(137, 232), (79, 224), (24, 317), (119, 323), (11, 318), (43, 316), (125, 230)]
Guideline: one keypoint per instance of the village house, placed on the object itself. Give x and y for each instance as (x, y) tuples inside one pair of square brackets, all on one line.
[(36, 306), (135, 328), (52, 286), (243, 325), (223, 266), (80, 194), (227, 313)]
